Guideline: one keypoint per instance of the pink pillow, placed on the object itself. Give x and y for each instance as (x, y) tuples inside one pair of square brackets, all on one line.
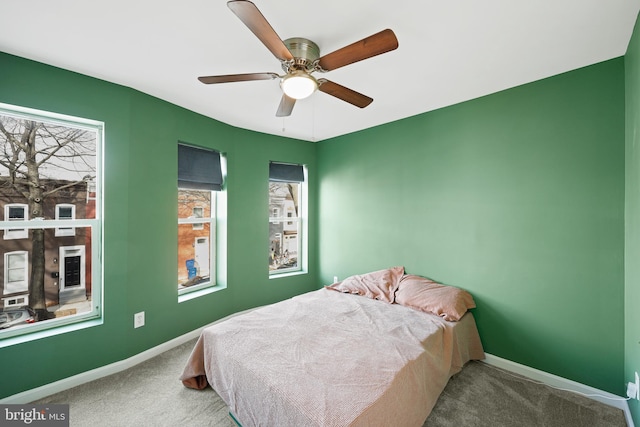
[(423, 294), (380, 285)]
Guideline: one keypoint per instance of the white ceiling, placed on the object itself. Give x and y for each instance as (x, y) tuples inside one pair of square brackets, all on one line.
[(449, 51)]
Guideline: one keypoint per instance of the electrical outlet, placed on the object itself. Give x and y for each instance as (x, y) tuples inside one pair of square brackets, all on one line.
[(633, 389), (138, 319), (335, 279)]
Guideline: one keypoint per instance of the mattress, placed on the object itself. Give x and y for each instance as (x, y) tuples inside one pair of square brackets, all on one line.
[(326, 358)]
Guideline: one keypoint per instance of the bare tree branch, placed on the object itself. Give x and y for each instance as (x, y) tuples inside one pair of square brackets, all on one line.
[(34, 155)]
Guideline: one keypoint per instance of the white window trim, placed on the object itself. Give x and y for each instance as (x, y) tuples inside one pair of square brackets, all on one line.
[(93, 317), (212, 220), (302, 228), (16, 287), (275, 213), (13, 301), (16, 233), (65, 251), (300, 239), (65, 231), (198, 225), (218, 251)]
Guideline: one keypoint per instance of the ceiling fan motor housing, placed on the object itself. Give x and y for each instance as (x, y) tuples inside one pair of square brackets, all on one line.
[(305, 55)]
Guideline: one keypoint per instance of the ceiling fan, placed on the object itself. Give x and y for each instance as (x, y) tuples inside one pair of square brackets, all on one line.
[(300, 57)]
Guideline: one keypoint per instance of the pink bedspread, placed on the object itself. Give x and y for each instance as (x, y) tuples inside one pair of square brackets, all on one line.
[(330, 359)]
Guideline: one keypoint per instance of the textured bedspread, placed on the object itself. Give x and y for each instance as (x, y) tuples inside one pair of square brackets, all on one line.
[(330, 359)]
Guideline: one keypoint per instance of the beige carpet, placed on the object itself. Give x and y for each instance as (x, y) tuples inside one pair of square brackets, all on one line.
[(482, 395), (150, 394)]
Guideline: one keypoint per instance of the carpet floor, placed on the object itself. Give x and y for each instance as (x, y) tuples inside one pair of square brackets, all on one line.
[(149, 394)]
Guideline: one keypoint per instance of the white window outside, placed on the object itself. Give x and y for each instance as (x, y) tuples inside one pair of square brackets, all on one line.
[(198, 212), (18, 301), (65, 212), (16, 270), (16, 212)]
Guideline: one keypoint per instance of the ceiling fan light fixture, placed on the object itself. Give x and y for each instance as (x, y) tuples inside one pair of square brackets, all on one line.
[(298, 85)]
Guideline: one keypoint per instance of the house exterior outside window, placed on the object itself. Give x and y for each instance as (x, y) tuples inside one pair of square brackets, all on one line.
[(16, 212), (16, 268), (52, 227), (65, 212), (196, 234), (200, 179), (287, 194), (198, 212)]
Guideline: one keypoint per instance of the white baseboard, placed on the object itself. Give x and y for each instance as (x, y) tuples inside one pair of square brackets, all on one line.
[(94, 374), (41, 392), (113, 368), (562, 383)]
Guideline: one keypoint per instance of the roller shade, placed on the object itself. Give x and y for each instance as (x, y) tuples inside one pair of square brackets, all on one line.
[(285, 172), (199, 168)]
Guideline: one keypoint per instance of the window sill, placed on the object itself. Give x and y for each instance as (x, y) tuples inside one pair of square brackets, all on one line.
[(287, 274), (50, 332), (199, 293)]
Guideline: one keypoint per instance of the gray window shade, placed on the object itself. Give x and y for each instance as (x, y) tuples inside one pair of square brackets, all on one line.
[(285, 172), (199, 168)]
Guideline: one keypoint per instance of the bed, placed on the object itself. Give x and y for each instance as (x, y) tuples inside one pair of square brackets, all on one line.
[(328, 358)]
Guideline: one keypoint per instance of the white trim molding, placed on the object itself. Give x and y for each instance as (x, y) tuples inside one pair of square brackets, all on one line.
[(562, 383), (38, 393), (526, 371)]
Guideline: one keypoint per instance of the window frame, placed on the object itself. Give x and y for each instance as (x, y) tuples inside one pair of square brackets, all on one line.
[(94, 315), (197, 225), (65, 231), (212, 221), (197, 173), (15, 301), (16, 233), (302, 228), (10, 286)]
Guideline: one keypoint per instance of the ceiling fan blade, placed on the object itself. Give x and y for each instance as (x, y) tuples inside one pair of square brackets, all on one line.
[(286, 106), (344, 93), (257, 23), (229, 78), (377, 44)]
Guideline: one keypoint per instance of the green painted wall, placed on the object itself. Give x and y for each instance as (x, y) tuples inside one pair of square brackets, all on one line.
[(632, 216), (140, 241), (517, 197)]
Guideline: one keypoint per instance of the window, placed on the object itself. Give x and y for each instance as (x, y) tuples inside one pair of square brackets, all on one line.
[(16, 301), (16, 212), (51, 197), (200, 181), (287, 194), (15, 272), (64, 212), (198, 212)]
